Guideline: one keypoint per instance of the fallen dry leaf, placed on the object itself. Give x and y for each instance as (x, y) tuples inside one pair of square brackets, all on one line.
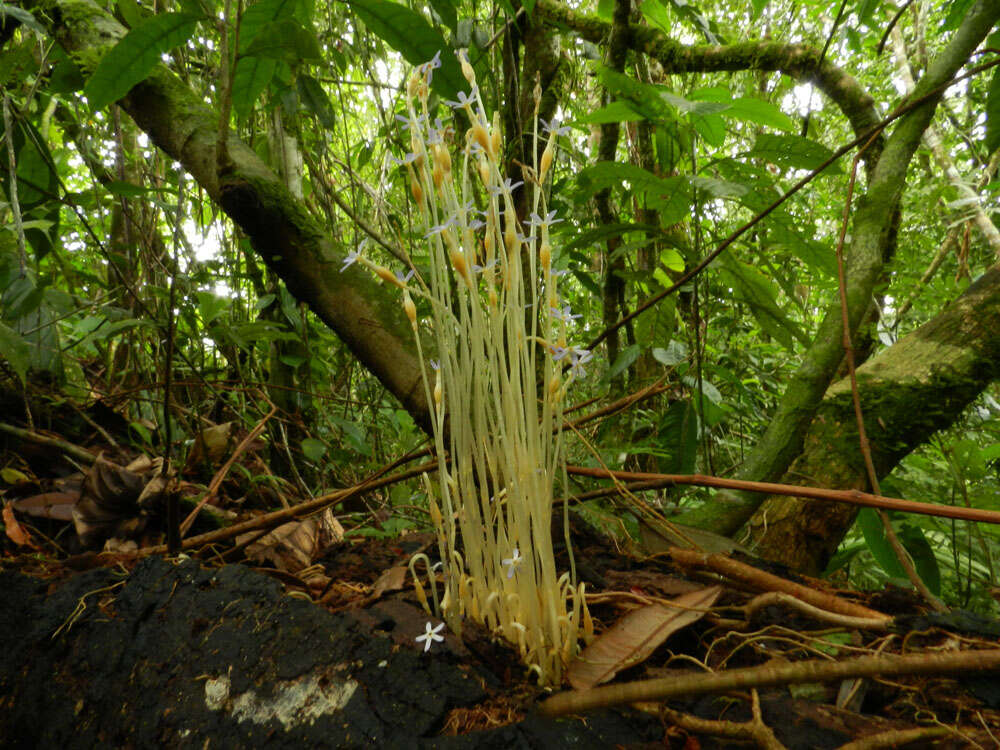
[(55, 505), (14, 530), (637, 635), (392, 579)]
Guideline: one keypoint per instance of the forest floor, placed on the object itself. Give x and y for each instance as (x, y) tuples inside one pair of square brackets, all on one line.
[(295, 633)]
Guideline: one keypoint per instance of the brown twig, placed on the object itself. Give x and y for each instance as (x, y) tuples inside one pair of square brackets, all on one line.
[(852, 497), (770, 675), (221, 474), (277, 517), (759, 579)]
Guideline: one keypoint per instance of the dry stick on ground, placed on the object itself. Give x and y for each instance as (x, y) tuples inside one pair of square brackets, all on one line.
[(270, 520), (771, 675), (759, 579), (780, 598), (754, 730), (221, 474), (852, 497), (74, 451)]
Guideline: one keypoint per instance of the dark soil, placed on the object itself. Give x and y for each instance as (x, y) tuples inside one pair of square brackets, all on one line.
[(177, 655)]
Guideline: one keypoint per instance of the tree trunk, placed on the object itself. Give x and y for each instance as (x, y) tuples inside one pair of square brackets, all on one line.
[(908, 392)]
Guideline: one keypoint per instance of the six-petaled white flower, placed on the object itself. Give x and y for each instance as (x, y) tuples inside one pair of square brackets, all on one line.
[(538, 221), (350, 259), (565, 314), (464, 100), (431, 634), (552, 127), (512, 562)]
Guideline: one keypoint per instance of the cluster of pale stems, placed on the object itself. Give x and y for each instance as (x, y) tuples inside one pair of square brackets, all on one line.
[(503, 369)]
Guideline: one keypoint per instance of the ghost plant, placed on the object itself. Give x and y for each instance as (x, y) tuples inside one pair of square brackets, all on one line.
[(499, 382)]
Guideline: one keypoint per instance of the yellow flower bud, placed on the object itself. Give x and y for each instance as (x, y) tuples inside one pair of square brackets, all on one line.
[(545, 163), (444, 157), (481, 137), (458, 262), (554, 385), (411, 309), (386, 275), (510, 238), (437, 174), (467, 71), (484, 172), (418, 192), (545, 256)]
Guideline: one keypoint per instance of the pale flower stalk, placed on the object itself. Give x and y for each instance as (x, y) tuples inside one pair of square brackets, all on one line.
[(492, 502)]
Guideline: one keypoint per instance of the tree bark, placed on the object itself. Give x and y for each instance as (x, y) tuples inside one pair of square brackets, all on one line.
[(909, 391), (363, 313)]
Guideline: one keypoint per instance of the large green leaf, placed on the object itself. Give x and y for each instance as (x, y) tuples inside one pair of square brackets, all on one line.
[(316, 100), (793, 151), (131, 60), (992, 141), (619, 111), (677, 438), (757, 291), (254, 71), (15, 350), (285, 39), (746, 108), (409, 33)]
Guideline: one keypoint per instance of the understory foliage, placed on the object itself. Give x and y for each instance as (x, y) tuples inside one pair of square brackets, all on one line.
[(132, 302)]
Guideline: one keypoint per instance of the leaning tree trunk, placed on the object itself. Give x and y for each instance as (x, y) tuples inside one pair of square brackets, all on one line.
[(914, 388)]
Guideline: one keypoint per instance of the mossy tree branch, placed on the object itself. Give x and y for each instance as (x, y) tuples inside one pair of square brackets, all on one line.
[(365, 315)]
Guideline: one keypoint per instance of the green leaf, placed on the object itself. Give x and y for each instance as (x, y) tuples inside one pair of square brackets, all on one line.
[(623, 361), (447, 13), (409, 33), (793, 151), (656, 13), (131, 60), (15, 350), (719, 188), (646, 99), (601, 233), (674, 354), (955, 14), (867, 8), (711, 127), (353, 434), (21, 15), (757, 291), (606, 10), (749, 109), (992, 140), (131, 12), (316, 101), (677, 438), (611, 174), (313, 449), (618, 111), (286, 40), (254, 72), (211, 306)]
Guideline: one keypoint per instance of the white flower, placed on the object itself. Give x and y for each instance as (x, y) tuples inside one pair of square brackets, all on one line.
[(430, 635), (565, 314), (350, 259), (538, 221), (553, 128), (512, 562)]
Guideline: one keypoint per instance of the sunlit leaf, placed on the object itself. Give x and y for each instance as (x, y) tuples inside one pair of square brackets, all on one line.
[(133, 58), (793, 151), (409, 33)]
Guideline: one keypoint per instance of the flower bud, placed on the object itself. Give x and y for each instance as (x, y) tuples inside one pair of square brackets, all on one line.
[(410, 308), (546, 162), (545, 256), (417, 191), (459, 263), (467, 71), (386, 275), (481, 137)]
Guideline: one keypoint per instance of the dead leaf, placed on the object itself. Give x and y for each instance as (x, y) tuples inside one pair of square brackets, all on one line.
[(294, 545), (636, 636), (210, 445), (55, 505), (14, 530), (392, 579)]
